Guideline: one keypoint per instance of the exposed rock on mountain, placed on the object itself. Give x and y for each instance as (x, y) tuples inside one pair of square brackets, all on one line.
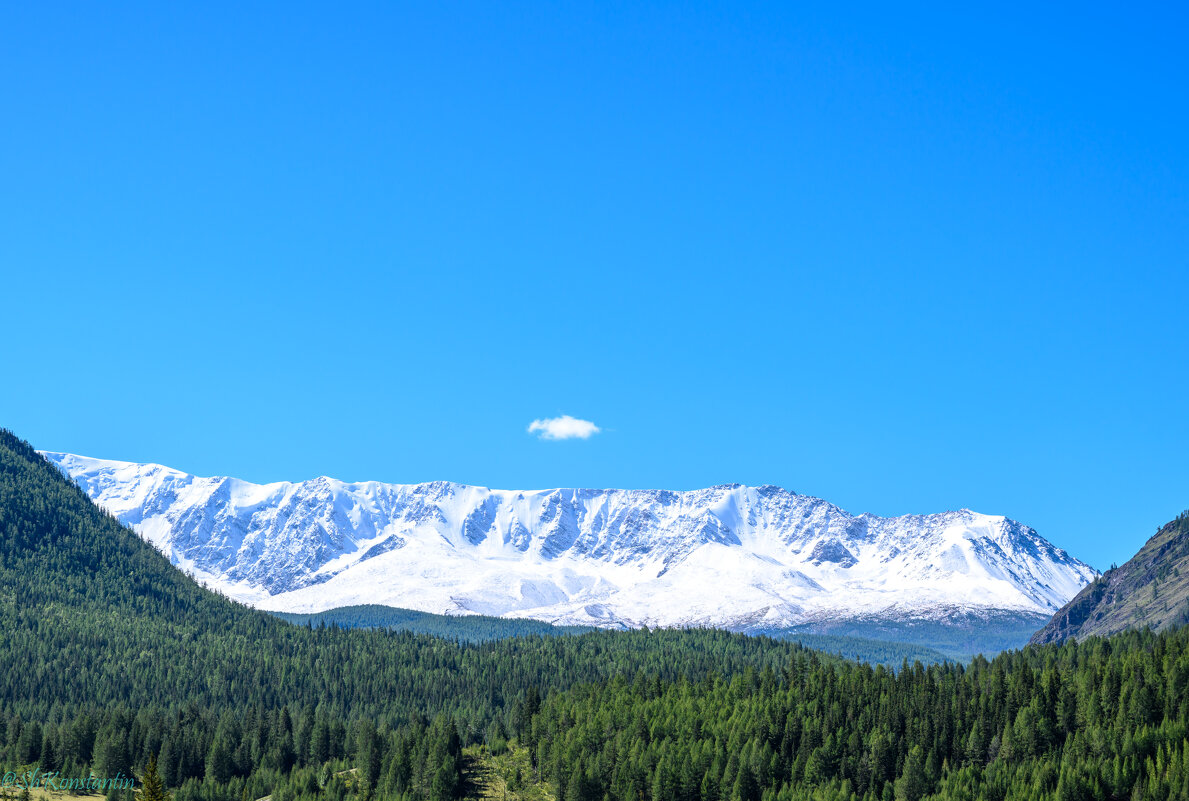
[(756, 558), (1150, 591)]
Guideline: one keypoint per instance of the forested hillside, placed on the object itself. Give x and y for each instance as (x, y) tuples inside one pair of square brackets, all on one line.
[(112, 656), (1101, 719), (91, 615), (961, 637)]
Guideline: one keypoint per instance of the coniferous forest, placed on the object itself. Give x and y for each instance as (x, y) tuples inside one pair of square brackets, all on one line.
[(114, 659)]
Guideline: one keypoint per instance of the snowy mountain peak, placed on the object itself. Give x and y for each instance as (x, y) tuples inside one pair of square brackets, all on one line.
[(728, 555)]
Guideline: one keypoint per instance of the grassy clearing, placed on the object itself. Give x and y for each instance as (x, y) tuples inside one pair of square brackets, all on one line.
[(46, 794), (507, 776)]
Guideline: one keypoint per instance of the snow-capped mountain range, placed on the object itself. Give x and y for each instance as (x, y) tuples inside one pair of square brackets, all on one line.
[(731, 556)]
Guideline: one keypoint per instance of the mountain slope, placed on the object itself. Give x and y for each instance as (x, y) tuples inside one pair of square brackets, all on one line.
[(750, 558), (1150, 591), (92, 617)]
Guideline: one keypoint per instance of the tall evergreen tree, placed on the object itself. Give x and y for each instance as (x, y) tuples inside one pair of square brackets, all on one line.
[(913, 782), (219, 764), (152, 786)]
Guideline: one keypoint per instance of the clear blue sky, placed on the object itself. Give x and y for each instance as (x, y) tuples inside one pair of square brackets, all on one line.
[(906, 260)]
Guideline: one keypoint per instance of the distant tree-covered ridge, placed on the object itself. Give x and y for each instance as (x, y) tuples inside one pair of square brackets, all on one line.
[(481, 628), (961, 637), (467, 628), (862, 649), (112, 657)]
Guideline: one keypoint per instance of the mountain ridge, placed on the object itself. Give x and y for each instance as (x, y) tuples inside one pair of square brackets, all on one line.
[(729, 556), (1150, 590)]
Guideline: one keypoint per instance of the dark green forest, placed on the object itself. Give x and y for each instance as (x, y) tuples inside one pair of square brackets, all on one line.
[(481, 628), (112, 657)]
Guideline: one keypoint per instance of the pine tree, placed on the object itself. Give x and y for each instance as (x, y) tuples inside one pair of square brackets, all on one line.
[(218, 761), (49, 757), (169, 763), (745, 788), (912, 784), (320, 743), (152, 786), (443, 785), (576, 789), (371, 757), (710, 785), (29, 744), (112, 751)]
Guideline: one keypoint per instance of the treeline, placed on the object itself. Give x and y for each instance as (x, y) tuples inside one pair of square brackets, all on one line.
[(1099, 720), (1104, 719), (249, 753)]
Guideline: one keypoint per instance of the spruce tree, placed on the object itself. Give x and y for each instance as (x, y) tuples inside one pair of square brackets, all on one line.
[(29, 744), (218, 762), (912, 784), (169, 764), (152, 786), (320, 743), (49, 757)]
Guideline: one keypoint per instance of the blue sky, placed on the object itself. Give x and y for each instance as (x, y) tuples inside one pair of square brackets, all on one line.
[(906, 260)]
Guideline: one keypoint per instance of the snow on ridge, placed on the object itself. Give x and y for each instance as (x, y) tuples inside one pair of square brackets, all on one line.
[(726, 555)]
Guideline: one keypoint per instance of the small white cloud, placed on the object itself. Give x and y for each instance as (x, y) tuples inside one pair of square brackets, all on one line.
[(564, 427)]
